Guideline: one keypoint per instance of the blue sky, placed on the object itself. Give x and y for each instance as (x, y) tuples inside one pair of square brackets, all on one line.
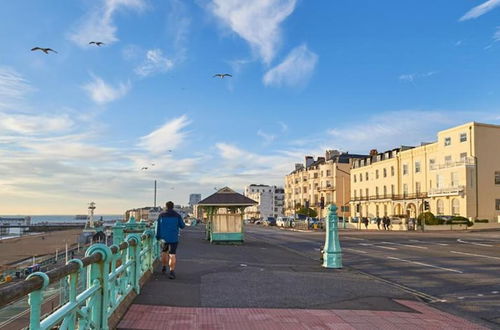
[(79, 125)]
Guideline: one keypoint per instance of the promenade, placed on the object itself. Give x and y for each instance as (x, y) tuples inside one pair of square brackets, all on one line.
[(260, 285)]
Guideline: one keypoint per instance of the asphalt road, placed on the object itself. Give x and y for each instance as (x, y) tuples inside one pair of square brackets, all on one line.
[(457, 272)]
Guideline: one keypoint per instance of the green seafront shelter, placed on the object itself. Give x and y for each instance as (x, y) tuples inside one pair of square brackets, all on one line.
[(224, 212)]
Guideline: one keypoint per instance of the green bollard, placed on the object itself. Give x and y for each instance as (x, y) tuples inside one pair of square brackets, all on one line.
[(332, 253)]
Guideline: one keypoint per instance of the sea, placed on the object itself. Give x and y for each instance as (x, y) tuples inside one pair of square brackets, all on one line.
[(64, 218)]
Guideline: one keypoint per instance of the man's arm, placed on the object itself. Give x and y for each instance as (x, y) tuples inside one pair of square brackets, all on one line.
[(158, 236)]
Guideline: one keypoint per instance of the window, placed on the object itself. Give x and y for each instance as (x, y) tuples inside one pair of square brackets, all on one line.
[(432, 162), (463, 156), (392, 189), (392, 170), (405, 169), (454, 179), (376, 174), (385, 210), (447, 141), (417, 187), (376, 192), (360, 192), (447, 159), (354, 179), (497, 203), (440, 207), (455, 207), (360, 177), (417, 167), (439, 181), (367, 192), (463, 137), (497, 177), (304, 190), (366, 176), (354, 194), (328, 172), (405, 189), (385, 191), (385, 172)]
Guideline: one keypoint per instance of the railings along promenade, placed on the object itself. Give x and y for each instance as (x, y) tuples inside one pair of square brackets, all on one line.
[(113, 273)]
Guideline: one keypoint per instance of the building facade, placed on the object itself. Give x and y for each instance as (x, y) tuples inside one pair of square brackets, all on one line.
[(194, 199), (459, 174), (270, 201), (324, 181)]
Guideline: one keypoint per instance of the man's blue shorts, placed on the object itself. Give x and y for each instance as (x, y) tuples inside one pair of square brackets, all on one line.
[(169, 248)]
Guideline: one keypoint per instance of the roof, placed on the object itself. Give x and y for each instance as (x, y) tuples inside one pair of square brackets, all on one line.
[(227, 197)]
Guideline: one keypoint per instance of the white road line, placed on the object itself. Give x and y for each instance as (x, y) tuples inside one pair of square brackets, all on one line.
[(412, 246), (475, 255), (494, 292), (359, 251), (354, 238), (415, 240), (379, 246), (427, 265), (480, 244), (443, 244)]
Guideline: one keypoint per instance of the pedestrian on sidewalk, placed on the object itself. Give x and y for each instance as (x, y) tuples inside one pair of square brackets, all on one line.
[(378, 222), (167, 229)]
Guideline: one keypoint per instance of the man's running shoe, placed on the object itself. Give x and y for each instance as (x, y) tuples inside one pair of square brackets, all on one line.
[(171, 275)]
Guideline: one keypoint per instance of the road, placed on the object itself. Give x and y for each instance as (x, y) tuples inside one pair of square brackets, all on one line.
[(457, 272)]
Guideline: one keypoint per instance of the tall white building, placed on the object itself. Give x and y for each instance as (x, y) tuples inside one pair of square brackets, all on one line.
[(270, 201), (194, 199)]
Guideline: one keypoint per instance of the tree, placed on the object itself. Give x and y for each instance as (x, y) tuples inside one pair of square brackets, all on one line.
[(307, 212)]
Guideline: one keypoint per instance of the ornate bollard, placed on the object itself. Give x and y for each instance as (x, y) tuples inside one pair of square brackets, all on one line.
[(332, 253)]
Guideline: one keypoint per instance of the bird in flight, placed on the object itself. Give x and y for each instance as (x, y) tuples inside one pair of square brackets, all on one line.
[(45, 50), (97, 43), (222, 75)]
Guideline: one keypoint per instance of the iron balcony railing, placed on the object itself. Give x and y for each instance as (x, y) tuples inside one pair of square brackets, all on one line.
[(391, 196), (461, 162), (448, 191), (111, 272)]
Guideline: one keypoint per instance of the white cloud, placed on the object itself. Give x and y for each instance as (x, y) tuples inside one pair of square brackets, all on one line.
[(268, 138), (98, 23), (411, 77), (257, 21), (101, 92), (178, 26), (480, 10), (295, 70), (13, 87), (167, 137), (35, 124), (155, 62)]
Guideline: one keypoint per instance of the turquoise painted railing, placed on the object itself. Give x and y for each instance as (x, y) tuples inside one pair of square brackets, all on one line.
[(112, 273)]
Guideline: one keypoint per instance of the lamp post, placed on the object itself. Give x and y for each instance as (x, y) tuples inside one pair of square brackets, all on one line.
[(332, 253)]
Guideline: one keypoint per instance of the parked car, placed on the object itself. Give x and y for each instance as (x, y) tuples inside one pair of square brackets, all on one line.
[(354, 220), (284, 221), (270, 221)]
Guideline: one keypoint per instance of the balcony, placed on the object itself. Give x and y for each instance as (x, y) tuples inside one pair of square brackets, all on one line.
[(448, 191), (463, 162), (391, 197), (325, 187)]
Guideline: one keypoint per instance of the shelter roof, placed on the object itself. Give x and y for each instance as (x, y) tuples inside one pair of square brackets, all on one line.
[(227, 197)]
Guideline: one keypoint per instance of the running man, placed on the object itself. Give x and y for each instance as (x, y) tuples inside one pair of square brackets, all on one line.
[(167, 229)]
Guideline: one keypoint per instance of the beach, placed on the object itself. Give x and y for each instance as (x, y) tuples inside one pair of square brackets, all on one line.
[(20, 248)]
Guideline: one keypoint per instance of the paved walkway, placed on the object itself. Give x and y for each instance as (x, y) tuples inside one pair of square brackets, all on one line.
[(261, 286)]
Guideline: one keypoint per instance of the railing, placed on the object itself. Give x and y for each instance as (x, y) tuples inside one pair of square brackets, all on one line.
[(391, 196), (112, 273), (463, 161), (447, 191), (325, 187)]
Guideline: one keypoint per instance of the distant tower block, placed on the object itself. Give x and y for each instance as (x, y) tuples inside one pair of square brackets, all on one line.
[(91, 214)]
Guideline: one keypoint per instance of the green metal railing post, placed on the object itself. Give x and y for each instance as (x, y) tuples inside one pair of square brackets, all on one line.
[(99, 275), (70, 322), (35, 301), (332, 253), (134, 255), (150, 246), (118, 235)]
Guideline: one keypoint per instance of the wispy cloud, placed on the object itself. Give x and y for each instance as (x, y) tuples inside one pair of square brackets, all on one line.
[(411, 77), (268, 138), (35, 124), (98, 23), (178, 27), (295, 70), (480, 10), (283, 126), (13, 87), (155, 62), (257, 22), (101, 92), (167, 137)]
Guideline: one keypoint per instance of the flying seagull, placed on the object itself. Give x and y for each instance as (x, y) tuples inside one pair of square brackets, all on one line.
[(222, 75), (97, 43), (45, 50)]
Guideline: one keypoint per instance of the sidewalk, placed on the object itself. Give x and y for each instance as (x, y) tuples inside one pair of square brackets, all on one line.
[(258, 285)]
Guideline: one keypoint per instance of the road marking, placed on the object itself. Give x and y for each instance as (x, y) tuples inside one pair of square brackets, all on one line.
[(427, 265), (415, 240), (460, 298), (480, 244), (443, 244), (480, 294), (379, 246), (494, 292), (412, 246), (475, 255), (354, 238), (359, 251)]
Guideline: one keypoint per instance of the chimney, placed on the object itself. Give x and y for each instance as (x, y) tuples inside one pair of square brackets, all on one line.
[(298, 166), (329, 154), (321, 159), (373, 152), (309, 160)]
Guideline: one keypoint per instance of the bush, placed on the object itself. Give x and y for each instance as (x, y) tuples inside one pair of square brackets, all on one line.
[(307, 212), (429, 219), (482, 221)]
